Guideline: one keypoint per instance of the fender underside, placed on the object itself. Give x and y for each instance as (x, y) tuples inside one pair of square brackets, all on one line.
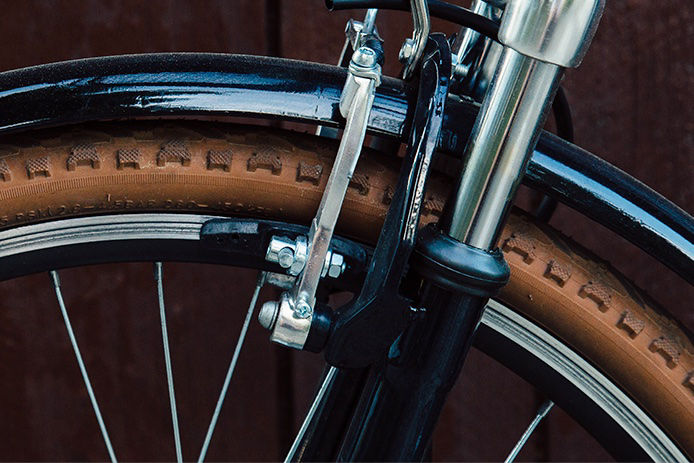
[(195, 85)]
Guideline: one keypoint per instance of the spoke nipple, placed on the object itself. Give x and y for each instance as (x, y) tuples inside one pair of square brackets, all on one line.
[(268, 314)]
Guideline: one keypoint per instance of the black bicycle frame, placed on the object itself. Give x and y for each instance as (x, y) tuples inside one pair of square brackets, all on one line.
[(190, 85)]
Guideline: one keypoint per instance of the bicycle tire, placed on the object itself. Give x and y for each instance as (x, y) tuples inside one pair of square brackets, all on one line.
[(209, 168)]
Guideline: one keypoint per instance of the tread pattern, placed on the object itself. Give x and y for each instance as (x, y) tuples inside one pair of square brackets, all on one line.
[(521, 245), (174, 151), (308, 172), (631, 323), (210, 168), (219, 159), (128, 157), (602, 299), (39, 167), (5, 171), (598, 293), (265, 159), (83, 155), (668, 348)]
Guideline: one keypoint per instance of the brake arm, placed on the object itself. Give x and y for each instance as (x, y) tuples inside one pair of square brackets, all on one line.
[(363, 330), (293, 313)]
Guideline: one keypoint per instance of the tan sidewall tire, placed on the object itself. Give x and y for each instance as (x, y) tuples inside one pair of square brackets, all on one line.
[(217, 169)]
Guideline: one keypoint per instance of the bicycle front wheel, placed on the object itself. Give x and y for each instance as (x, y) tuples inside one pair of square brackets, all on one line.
[(107, 187)]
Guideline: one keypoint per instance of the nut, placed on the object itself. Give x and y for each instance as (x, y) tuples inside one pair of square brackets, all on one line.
[(407, 50), (337, 265)]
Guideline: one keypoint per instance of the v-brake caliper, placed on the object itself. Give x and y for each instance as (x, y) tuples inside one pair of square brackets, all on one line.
[(361, 331), (291, 317)]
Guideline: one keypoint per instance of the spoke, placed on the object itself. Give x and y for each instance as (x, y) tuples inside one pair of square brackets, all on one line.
[(291, 455), (80, 362), (167, 360), (232, 367), (541, 413)]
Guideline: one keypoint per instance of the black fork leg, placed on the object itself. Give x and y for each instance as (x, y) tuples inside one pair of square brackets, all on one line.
[(404, 396), (406, 388)]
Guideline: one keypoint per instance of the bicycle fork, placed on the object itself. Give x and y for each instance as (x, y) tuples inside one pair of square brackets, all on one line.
[(458, 267), (460, 270)]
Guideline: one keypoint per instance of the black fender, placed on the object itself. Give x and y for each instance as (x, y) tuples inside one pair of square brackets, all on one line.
[(191, 85)]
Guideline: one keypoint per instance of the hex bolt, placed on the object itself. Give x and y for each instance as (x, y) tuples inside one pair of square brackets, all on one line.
[(268, 314), (285, 257), (406, 50)]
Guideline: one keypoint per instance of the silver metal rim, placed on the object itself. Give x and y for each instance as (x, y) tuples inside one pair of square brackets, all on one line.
[(496, 316), (585, 377)]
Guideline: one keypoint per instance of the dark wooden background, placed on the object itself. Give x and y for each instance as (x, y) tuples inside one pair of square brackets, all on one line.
[(633, 104)]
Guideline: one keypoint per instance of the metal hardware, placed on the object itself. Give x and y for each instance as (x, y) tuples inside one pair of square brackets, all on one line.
[(289, 325), (542, 412), (292, 254), (477, 56), (515, 107), (554, 31), (355, 105), (363, 329), (412, 48), (280, 280), (334, 265), (357, 35), (470, 39), (288, 253), (269, 241), (268, 314), (356, 32), (500, 145)]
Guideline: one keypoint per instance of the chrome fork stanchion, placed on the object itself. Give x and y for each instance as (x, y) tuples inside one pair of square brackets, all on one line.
[(540, 38)]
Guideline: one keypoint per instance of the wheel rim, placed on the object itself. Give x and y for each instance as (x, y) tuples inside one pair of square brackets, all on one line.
[(182, 229)]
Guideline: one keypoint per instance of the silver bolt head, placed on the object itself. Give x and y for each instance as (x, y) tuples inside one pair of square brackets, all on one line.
[(268, 314), (285, 257), (407, 50), (364, 57), (337, 265)]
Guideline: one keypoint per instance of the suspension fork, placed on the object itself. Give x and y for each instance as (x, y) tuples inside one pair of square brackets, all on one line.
[(460, 269)]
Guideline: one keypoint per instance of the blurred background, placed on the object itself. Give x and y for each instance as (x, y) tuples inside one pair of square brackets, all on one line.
[(632, 102)]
